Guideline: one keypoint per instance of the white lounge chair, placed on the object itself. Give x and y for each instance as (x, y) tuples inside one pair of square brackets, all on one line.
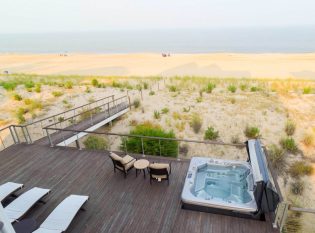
[(8, 189), (59, 220), (19, 207)]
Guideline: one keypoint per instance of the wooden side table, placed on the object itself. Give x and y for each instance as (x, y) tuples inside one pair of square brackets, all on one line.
[(141, 165)]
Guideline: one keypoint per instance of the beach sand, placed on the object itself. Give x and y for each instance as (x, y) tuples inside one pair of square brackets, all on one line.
[(213, 65)]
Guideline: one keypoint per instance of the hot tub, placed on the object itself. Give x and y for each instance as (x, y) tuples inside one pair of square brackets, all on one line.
[(237, 188), (219, 184)]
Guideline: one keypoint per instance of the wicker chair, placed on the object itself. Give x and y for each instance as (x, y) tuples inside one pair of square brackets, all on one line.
[(160, 172), (123, 164)]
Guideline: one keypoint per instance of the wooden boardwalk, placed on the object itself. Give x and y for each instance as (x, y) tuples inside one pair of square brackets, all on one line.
[(116, 204), (60, 136)]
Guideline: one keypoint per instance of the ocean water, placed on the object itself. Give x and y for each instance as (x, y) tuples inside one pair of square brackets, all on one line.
[(250, 40)]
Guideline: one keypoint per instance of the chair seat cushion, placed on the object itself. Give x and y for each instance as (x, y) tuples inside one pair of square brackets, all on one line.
[(128, 161)]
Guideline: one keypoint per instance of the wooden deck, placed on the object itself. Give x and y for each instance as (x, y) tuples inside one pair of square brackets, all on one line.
[(116, 204)]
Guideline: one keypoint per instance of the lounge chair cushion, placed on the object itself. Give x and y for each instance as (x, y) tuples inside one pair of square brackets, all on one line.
[(160, 166), (16, 209), (9, 188), (61, 217), (126, 161), (115, 157)]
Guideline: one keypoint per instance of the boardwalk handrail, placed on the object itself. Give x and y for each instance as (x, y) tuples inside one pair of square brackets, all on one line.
[(90, 110), (70, 110), (33, 131)]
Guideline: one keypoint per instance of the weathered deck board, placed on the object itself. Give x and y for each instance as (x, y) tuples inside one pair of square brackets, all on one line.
[(116, 204)]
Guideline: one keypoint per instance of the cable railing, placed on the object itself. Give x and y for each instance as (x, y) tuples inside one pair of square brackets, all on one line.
[(147, 145), (91, 115)]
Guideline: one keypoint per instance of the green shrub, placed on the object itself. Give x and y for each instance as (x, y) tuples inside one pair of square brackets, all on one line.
[(20, 115), (300, 168), (210, 87), (57, 93), (36, 104), (95, 83), (145, 85), (254, 89), (136, 103), (94, 142), (116, 84), (184, 149), (232, 88), (235, 139), (297, 187), (293, 224), (307, 90), (196, 123), (17, 97), (151, 93), (60, 119), (165, 110), (139, 87), (243, 87), (308, 139), (157, 114), (290, 128), (199, 99), (27, 101), (87, 90), (289, 145), (186, 109), (277, 158), (151, 146), (29, 84), (211, 134), (68, 85), (9, 85), (252, 132), (38, 87), (172, 88)]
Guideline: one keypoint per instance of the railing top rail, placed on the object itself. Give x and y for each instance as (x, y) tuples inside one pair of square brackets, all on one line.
[(82, 106), (89, 110), (150, 137), (7, 127), (303, 210)]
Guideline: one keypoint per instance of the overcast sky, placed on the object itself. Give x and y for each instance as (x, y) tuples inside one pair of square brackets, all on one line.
[(99, 15)]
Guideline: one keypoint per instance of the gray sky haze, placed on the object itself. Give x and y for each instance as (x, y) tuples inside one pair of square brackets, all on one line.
[(21, 16)]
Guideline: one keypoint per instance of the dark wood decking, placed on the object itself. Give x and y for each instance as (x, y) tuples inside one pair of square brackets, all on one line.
[(116, 204)]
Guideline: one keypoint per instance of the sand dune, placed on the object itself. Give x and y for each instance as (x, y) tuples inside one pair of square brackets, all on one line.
[(214, 65)]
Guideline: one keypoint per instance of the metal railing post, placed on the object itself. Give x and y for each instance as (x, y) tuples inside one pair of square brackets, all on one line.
[(160, 147), (125, 141), (142, 147), (17, 136), (23, 131), (49, 138), (2, 142), (91, 118), (77, 143), (41, 125), (12, 134), (29, 136)]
